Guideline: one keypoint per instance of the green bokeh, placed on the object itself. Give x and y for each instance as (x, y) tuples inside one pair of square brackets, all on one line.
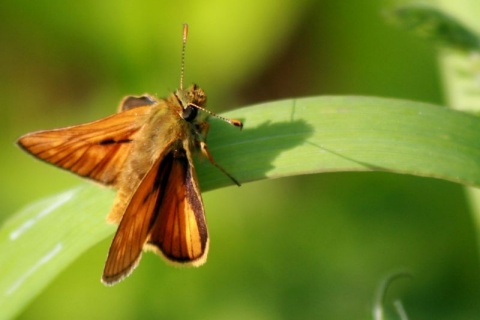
[(305, 247)]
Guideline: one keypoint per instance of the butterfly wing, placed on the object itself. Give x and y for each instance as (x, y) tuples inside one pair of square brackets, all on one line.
[(130, 102), (166, 214), (95, 150), (179, 232)]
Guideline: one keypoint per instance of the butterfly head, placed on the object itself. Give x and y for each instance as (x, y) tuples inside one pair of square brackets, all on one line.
[(191, 100)]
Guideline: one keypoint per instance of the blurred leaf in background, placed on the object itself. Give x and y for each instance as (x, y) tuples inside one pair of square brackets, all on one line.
[(306, 247)]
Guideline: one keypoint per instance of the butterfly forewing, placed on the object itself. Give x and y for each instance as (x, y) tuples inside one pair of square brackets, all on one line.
[(180, 231), (96, 150), (159, 213), (126, 247)]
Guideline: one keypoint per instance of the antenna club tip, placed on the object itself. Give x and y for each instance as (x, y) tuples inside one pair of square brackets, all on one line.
[(237, 123), (185, 31)]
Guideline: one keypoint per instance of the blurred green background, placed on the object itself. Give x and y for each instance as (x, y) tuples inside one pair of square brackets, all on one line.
[(305, 247)]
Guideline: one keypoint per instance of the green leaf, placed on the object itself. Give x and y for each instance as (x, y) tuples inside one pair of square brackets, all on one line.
[(436, 25), (284, 138), (325, 134), (41, 240)]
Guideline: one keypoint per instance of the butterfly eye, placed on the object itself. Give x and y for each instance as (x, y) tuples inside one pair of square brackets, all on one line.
[(189, 113)]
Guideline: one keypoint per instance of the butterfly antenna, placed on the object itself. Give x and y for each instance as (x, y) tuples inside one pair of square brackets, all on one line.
[(233, 122), (184, 44), (236, 123)]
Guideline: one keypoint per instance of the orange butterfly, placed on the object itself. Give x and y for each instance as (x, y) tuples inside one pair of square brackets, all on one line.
[(145, 151)]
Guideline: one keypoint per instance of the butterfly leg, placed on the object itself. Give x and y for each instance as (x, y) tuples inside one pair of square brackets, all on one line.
[(204, 149)]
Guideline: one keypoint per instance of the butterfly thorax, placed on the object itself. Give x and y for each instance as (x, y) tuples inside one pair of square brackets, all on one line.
[(172, 125)]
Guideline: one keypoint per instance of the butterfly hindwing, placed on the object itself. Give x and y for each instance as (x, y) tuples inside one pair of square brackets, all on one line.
[(130, 102)]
